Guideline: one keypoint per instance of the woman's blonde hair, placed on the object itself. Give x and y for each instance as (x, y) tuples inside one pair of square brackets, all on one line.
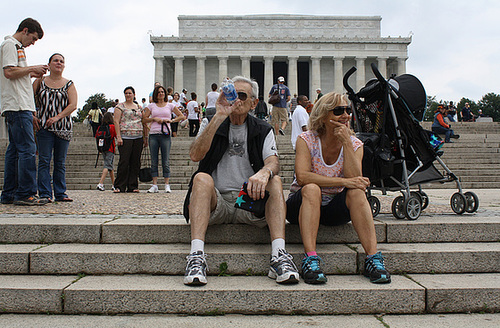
[(321, 108)]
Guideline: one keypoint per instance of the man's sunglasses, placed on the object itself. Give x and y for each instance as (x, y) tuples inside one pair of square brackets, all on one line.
[(339, 110), (242, 96)]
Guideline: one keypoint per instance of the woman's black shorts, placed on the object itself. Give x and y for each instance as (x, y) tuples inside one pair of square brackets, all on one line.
[(332, 214)]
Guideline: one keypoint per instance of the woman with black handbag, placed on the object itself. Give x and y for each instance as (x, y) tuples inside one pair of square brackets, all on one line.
[(159, 114)]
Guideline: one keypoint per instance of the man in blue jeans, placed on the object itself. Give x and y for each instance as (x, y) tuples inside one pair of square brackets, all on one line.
[(18, 107)]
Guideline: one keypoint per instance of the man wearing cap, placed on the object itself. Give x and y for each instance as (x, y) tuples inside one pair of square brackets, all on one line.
[(279, 113)]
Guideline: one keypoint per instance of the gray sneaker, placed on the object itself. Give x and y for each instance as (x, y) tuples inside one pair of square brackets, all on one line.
[(31, 201), (196, 269), (283, 269)]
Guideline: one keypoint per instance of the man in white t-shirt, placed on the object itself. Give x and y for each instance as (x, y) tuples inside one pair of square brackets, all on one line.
[(299, 118), (112, 108), (210, 100), (233, 148), (18, 108)]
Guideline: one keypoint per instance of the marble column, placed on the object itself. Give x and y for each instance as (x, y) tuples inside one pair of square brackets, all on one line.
[(316, 76), (222, 67), (245, 66), (360, 73), (338, 73), (200, 77), (293, 83), (382, 66), (402, 65), (179, 73), (268, 76), (159, 70)]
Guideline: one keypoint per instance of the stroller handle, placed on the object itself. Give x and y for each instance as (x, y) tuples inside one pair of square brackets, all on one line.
[(377, 73), (347, 75)]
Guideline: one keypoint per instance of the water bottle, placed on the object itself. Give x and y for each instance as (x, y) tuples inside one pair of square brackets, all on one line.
[(229, 91)]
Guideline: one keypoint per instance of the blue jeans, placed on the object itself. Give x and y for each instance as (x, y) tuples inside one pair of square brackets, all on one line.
[(157, 142), (20, 161), (48, 142), (448, 133)]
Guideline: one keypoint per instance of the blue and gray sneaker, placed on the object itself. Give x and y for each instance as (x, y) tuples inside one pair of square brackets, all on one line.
[(196, 269), (283, 269), (311, 272), (375, 269)]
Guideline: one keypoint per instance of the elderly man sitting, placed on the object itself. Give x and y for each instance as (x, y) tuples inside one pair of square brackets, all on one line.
[(233, 148)]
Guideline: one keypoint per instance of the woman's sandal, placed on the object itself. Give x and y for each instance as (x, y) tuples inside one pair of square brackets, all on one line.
[(116, 191)]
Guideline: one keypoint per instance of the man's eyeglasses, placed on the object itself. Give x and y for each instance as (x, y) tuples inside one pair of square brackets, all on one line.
[(242, 96), (339, 110)]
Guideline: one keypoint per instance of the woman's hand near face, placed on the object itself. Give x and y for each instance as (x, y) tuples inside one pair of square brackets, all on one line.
[(342, 132)]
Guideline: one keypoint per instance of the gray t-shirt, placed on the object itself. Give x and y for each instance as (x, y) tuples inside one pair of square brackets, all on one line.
[(234, 167)]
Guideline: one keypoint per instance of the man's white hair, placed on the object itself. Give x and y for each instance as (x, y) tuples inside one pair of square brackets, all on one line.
[(253, 83)]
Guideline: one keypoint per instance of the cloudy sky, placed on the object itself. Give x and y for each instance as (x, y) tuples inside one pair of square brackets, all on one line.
[(455, 50)]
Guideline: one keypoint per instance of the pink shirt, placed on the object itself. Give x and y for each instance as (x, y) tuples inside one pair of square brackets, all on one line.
[(319, 166), (160, 112)]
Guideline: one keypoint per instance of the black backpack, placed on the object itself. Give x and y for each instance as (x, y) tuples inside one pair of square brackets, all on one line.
[(103, 140)]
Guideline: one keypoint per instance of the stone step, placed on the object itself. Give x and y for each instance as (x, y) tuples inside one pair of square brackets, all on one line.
[(483, 320), (345, 294), (242, 259), (167, 229)]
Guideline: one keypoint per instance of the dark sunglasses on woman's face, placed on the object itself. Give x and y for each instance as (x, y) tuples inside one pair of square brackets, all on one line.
[(242, 96), (339, 110)]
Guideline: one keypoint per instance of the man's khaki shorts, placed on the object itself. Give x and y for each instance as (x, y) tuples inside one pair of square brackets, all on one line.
[(225, 212), (279, 115)]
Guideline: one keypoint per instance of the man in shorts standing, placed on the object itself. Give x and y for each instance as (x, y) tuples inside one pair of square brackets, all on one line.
[(18, 108), (234, 148), (279, 114)]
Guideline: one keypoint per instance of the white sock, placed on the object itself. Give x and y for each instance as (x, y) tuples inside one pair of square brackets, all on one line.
[(197, 245), (277, 244)]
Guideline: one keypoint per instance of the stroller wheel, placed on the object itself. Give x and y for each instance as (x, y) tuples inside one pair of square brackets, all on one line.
[(425, 199), (398, 207), (472, 202), (413, 207), (458, 203), (374, 204)]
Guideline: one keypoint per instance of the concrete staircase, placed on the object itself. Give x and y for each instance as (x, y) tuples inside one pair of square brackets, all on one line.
[(474, 158), (134, 264)]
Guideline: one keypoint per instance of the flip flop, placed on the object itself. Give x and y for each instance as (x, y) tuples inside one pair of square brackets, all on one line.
[(65, 199), (116, 191)]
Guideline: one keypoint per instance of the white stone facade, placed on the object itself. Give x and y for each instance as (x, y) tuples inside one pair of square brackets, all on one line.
[(309, 51)]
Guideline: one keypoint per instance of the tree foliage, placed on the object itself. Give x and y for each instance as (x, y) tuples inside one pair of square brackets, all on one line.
[(99, 98), (490, 105)]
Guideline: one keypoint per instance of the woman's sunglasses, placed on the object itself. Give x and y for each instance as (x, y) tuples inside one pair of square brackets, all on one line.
[(339, 110)]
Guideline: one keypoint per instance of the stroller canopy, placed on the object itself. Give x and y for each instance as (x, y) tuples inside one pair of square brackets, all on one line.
[(413, 93)]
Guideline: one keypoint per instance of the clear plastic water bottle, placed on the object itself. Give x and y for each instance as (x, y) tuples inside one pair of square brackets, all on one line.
[(229, 91)]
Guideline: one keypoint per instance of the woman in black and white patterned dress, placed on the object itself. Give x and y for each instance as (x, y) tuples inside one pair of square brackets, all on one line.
[(56, 99)]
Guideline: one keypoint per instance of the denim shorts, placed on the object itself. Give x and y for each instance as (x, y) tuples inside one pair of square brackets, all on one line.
[(108, 158)]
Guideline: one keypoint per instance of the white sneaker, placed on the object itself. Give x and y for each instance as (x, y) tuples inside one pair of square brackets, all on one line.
[(100, 187), (154, 188), (167, 189)]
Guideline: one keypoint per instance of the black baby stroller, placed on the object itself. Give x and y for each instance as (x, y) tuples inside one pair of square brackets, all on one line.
[(398, 152)]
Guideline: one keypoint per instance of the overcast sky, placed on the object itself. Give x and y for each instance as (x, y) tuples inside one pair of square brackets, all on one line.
[(455, 50)]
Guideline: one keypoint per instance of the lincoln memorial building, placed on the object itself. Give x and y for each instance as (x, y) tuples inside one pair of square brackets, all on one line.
[(309, 51)]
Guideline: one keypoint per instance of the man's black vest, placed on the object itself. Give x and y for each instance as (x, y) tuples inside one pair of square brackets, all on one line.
[(257, 130)]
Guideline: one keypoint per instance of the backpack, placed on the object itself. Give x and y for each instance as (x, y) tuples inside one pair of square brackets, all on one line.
[(103, 140)]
